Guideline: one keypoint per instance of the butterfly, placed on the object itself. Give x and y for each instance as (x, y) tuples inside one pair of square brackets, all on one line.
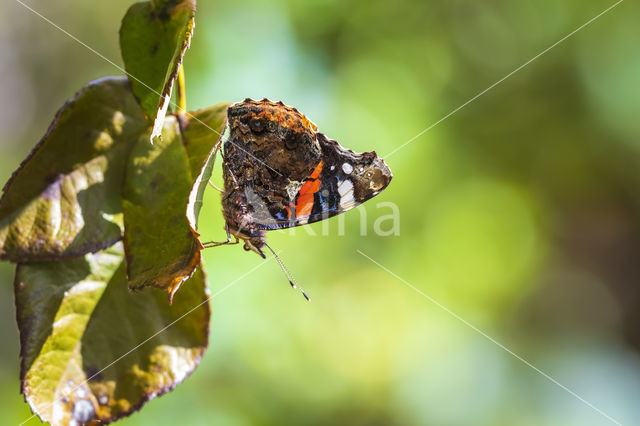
[(280, 172)]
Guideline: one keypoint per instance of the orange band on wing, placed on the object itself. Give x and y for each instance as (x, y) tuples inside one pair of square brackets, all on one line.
[(304, 203), (316, 172)]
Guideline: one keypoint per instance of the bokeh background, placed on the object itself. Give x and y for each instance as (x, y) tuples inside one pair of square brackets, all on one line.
[(520, 213)]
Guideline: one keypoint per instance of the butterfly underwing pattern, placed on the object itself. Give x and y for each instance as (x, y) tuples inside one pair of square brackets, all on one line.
[(280, 172)]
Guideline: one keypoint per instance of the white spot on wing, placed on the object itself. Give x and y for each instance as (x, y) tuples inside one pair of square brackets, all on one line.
[(293, 188), (346, 186), (347, 168), (345, 189)]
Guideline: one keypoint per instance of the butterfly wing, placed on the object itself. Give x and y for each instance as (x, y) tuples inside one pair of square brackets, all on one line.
[(341, 181)]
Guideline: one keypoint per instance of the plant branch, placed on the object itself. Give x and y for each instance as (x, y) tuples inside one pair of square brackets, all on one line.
[(181, 94)]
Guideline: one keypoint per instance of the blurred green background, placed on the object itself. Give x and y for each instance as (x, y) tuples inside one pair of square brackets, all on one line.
[(520, 213)]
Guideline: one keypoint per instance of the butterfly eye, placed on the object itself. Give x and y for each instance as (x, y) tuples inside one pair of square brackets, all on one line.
[(256, 125)]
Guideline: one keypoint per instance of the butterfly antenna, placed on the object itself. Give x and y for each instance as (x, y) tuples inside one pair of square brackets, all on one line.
[(292, 281)]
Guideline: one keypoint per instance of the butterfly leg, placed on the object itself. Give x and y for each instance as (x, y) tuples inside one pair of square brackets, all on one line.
[(235, 182), (215, 187), (210, 244), (216, 149)]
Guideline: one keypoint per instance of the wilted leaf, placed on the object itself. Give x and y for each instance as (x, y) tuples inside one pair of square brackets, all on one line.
[(77, 321), (64, 200), (160, 249), (153, 38), (200, 135)]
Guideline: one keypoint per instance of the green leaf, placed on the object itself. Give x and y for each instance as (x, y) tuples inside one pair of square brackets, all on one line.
[(153, 39), (200, 135), (89, 349), (161, 250), (64, 200)]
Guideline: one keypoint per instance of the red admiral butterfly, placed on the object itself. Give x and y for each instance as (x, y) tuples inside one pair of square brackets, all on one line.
[(280, 172)]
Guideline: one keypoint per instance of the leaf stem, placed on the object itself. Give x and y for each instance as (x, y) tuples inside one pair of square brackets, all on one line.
[(181, 94)]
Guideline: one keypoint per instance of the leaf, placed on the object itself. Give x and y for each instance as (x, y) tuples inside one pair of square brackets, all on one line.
[(64, 200), (200, 135), (153, 39), (77, 319), (201, 131), (161, 245), (160, 249)]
